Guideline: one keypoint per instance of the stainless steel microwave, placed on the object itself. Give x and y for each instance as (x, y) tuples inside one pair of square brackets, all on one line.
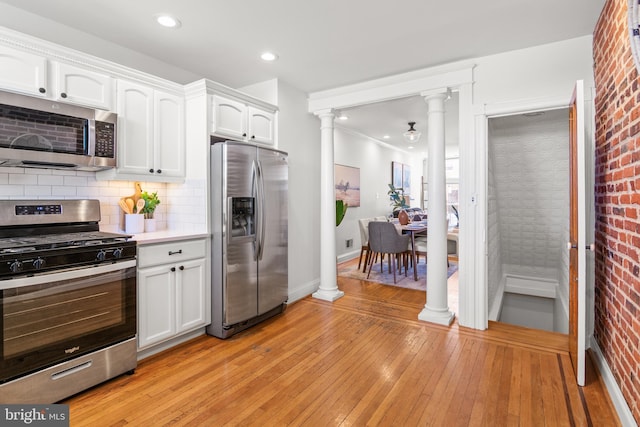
[(40, 133)]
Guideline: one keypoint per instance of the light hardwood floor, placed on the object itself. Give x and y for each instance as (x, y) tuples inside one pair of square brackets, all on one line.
[(363, 360)]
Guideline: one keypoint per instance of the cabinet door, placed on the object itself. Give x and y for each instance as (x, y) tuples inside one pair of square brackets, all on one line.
[(135, 128), (156, 305), (169, 159), (261, 126), (23, 72), (191, 297), (229, 118), (84, 87)]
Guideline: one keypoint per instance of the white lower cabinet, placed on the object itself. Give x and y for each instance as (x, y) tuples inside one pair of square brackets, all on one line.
[(173, 296)]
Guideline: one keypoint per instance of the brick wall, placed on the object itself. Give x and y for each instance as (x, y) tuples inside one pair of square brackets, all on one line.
[(617, 199)]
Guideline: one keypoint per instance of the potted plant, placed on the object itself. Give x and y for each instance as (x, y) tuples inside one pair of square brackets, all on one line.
[(397, 198), (341, 210), (151, 201)]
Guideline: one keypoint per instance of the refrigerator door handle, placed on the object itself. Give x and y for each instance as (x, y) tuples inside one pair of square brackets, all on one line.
[(254, 194), (261, 210)]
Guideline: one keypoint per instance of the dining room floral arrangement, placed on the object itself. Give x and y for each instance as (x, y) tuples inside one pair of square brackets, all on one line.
[(397, 197)]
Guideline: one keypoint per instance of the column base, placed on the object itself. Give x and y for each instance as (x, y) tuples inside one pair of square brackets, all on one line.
[(328, 295), (439, 316)]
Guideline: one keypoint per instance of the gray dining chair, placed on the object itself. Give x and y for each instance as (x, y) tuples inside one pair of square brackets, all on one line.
[(384, 239)]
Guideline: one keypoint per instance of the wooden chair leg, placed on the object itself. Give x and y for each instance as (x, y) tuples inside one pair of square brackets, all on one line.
[(367, 258), (360, 259), (394, 269), (372, 260)]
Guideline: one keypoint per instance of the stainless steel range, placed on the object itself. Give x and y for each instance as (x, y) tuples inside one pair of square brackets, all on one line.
[(67, 300)]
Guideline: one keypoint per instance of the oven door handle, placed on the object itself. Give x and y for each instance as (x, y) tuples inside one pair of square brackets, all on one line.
[(71, 274)]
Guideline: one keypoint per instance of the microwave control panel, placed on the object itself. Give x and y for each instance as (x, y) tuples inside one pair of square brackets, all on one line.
[(105, 139)]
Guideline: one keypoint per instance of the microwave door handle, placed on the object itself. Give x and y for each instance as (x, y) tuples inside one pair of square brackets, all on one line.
[(90, 127)]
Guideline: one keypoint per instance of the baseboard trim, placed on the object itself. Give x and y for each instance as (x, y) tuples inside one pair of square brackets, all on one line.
[(624, 413), (304, 290)]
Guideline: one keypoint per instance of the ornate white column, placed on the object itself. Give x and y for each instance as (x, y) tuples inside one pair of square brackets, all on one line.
[(328, 289), (436, 309)]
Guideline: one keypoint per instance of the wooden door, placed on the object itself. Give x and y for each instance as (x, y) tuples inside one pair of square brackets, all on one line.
[(577, 233)]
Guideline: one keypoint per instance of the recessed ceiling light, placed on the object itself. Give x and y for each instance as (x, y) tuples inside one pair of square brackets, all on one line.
[(168, 21), (410, 147), (269, 56), (386, 137), (342, 116)]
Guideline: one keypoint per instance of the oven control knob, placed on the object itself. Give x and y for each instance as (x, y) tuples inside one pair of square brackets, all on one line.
[(117, 253), (39, 263), (16, 266), (102, 255)]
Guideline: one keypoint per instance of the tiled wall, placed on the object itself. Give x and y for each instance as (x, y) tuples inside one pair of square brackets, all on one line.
[(494, 268), (530, 172), (617, 193), (19, 183)]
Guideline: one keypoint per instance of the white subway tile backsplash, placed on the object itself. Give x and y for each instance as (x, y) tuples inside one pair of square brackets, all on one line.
[(23, 179), (75, 181), (50, 180), (182, 207), (63, 191), (37, 191)]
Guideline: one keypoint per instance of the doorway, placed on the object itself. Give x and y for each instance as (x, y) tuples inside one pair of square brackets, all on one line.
[(527, 217)]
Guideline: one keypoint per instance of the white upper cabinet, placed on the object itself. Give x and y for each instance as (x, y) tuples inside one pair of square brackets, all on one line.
[(135, 128), (229, 118), (261, 126), (151, 139), (83, 87), (169, 147), (242, 121), (35, 75), (23, 72)]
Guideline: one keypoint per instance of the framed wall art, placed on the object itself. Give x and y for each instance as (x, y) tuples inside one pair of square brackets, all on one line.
[(347, 184)]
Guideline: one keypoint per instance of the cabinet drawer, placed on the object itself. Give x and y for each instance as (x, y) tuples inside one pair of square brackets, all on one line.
[(165, 253)]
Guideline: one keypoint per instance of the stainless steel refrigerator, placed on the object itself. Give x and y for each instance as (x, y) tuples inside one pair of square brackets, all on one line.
[(249, 236)]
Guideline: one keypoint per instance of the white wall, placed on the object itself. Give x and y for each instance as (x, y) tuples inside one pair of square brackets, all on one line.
[(374, 161), (299, 135), (547, 71)]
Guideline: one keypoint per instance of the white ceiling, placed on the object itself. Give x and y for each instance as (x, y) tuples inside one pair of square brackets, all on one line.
[(321, 44)]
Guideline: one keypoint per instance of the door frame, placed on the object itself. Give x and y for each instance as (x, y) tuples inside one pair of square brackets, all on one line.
[(482, 114)]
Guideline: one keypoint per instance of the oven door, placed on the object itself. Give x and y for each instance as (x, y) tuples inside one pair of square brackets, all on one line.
[(50, 318)]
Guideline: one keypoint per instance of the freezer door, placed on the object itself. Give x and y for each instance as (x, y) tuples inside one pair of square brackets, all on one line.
[(272, 230), (240, 294)]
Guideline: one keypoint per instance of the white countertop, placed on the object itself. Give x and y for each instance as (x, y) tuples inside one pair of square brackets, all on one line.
[(158, 236)]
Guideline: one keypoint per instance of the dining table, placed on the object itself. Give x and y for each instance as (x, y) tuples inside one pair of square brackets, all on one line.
[(413, 228)]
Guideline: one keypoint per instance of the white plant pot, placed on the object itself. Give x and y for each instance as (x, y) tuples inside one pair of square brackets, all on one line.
[(133, 223), (149, 224)]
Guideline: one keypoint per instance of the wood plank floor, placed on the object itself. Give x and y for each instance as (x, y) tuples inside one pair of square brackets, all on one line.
[(363, 360)]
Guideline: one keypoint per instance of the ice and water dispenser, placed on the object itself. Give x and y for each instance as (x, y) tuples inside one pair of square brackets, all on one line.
[(242, 216)]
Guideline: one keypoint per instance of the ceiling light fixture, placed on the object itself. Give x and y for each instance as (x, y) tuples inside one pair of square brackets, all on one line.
[(412, 135), (168, 21), (269, 56), (385, 137), (343, 116)]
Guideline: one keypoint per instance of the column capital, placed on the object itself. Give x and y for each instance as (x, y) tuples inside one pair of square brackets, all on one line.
[(440, 93), (327, 112)]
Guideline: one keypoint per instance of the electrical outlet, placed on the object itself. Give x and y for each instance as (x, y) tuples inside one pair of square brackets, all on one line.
[(348, 243)]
